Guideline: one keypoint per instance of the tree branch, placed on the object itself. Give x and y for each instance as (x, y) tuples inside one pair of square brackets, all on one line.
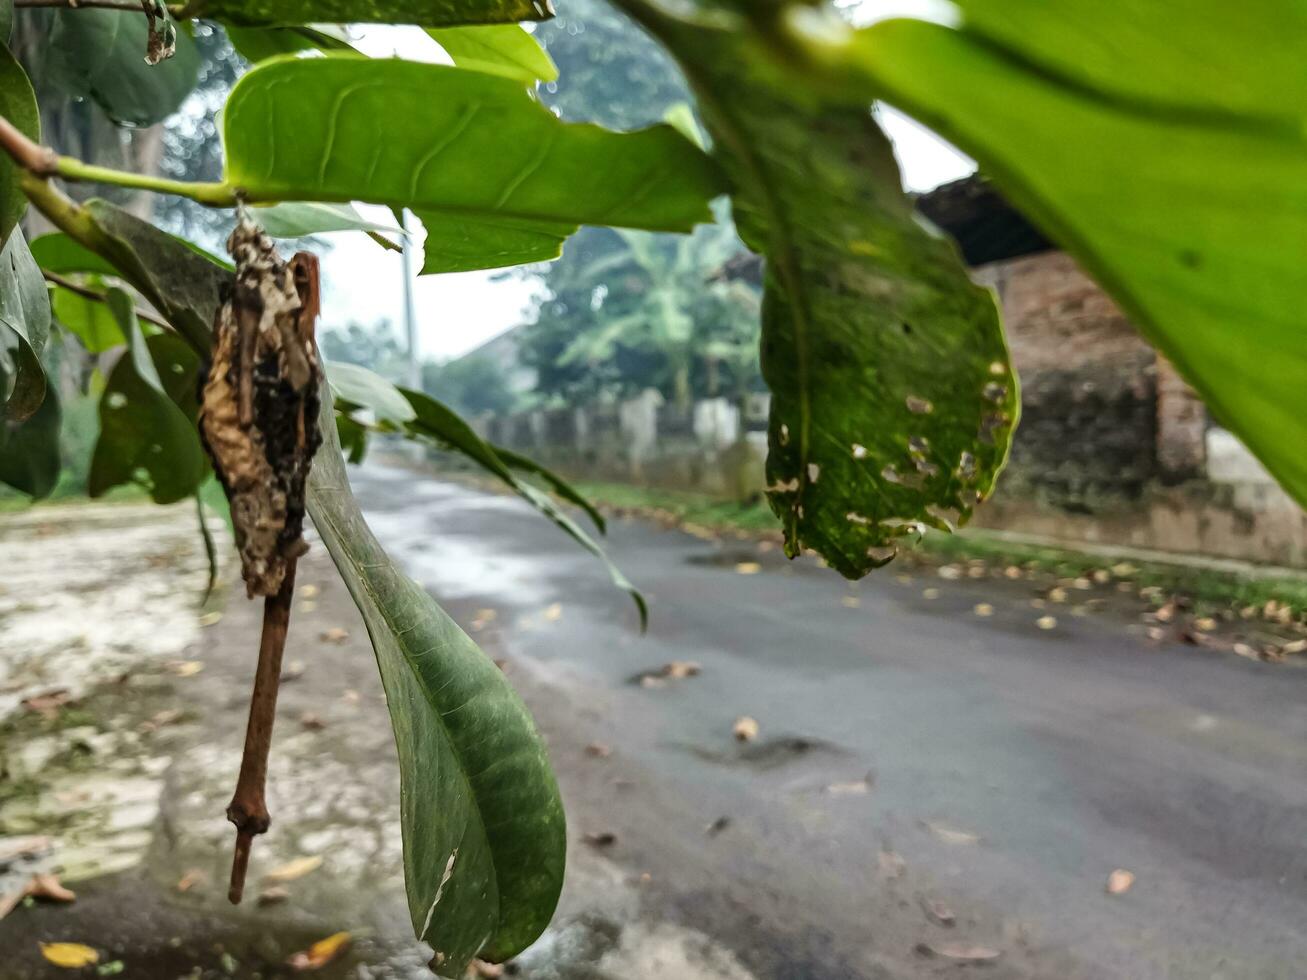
[(74, 287), (249, 807), (32, 157)]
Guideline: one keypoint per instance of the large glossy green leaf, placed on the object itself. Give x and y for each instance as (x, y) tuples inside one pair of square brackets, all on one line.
[(436, 421), (458, 244), (56, 252), (18, 105), (501, 49), (89, 320), (29, 450), (299, 219), (256, 44), (463, 147), (147, 415), (425, 13), (483, 825), (893, 401), (100, 55), (24, 328), (1196, 221)]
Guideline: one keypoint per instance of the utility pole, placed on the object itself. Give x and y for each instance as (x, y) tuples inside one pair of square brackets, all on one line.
[(414, 373)]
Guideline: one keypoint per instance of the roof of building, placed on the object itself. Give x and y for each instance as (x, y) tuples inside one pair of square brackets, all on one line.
[(987, 228)]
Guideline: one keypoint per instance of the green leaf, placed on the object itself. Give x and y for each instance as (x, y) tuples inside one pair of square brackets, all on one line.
[(353, 436), (893, 401), (24, 329), (89, 320), (425, 13), (147, 415), (299, 219), (472, 148), (256, 44), (484, 832), (100, 55), (436, 421), (555, 483), (1184, 200), (18, 105), (458, 244), (57, 252), (501, 49), (29, 450), (366, 389)]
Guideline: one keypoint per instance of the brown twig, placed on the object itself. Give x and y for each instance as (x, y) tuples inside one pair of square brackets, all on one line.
[(32, 157), (99, 297), (249, 808)]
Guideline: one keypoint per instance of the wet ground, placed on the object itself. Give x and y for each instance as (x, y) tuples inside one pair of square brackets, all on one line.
[(931, 793)]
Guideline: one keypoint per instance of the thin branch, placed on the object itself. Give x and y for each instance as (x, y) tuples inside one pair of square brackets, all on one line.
[(32, 157), (74, 287), (125, 5), (249, 807)]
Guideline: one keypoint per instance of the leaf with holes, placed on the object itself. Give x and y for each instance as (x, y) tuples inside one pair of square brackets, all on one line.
[(501, 49), (481, 161), (893, 400), (100, 55), (424, 13), (483, 825), (147, 415), (1178, 184)]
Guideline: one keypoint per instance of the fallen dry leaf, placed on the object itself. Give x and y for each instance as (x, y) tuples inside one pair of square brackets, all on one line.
[(1102, 576), (308, 591), (602, 838), (211, 618), (983, 609), (311, 722), (854, 787), (1244, 650), (1165, 613), (745, 729), (554, 612), (1012, 572), (336, 634), (1294, 646), (190, 879), (1119, 881), (47, 705), (938, 913), (159, 719), (1046, 622), (486, 971), (951, 836), (598, 750), (747, 568), (49, 888), (320, 953), (350, 696), (678, 669), (294, 869), (273, 895), (963, 952), (850, 601), (293, 671), (70, 956), (949, 572), (652, 681), (184, 668), (1205, 623), (1057, 595), (930, 593), (891, 864)]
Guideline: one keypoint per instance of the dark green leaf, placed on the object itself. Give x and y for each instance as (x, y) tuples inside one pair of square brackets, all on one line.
[(439, 422), (18, 105), (24, 328), (89, 320), (100, 55), (29, 450), (458, 244), (367, 389), (893, 401), (299, 219), (425, 13), (56, 252), (147, 415), (353, 437), (483, 825), (501, 49), (473, 148), (1184, 199), (256, 44), (6, 20)]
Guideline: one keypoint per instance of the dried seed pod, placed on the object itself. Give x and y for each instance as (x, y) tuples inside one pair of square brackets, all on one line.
[(259, 406)]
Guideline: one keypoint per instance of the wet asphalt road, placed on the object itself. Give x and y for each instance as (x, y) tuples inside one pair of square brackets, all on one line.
[(1008, 769)]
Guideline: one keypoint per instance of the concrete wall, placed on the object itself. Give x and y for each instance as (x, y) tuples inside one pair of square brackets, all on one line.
[(1113, 447)]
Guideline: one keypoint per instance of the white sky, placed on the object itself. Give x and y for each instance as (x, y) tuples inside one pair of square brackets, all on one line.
[(456, 313)]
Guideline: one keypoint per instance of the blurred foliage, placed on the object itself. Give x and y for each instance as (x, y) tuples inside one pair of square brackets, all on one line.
[(472, 385)]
